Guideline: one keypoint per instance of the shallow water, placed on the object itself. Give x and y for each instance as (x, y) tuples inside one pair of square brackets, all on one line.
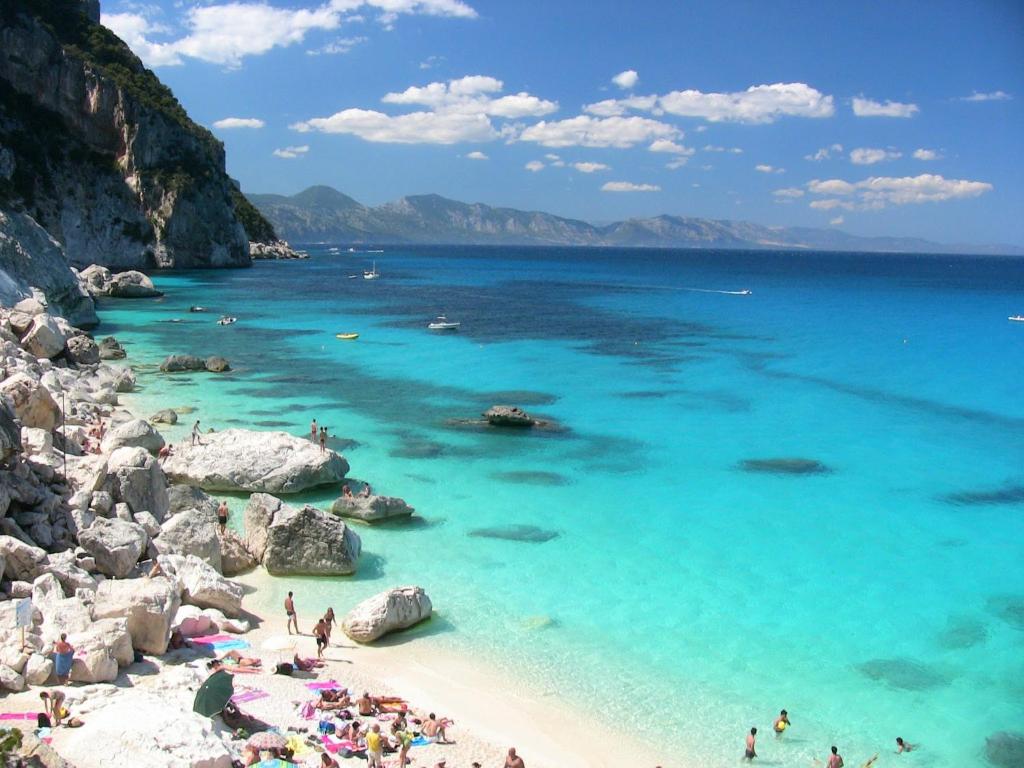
[(649, 558)]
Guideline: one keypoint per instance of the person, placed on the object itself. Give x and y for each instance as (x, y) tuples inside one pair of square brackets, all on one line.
[(195, 434), (63, 656), (366, 705), (163, 453), (902, 746), (374, 747), (306, 665), (781, 723), (333, 700), (346, 491), (178, 641), (351, 731), (513, 760), (234, 661), (751, 751), (312, 431), (323, 439), (326, 761), (871, 761), (320, 633), (289, 609), (53, 706), (835, 760), (433, 729), (404, 740), (329, 620), (222, 516), (366, 491)]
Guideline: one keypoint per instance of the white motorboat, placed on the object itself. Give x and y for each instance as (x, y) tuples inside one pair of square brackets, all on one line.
[(372, 274), (1017, 318), (225, 320), (442, 323)]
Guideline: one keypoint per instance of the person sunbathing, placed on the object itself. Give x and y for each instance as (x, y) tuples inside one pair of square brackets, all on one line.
[(233, 661), (306, 665), (351, 732), (330, 700), (367, 705)]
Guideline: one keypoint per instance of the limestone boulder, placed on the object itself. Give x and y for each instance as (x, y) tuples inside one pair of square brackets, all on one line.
[(96, 279), (194, 621), (38, 669), (217, 364), (246, 460), (201, 585), (372, 509), (133, 434), (388, 611), (165, 416), (22, 561), (11, 680), (115, 544), (65, 567), (148, 605), (178, 363), (82, 350), (33, 404), (44, 338), (111, 349), (132, 285), (135, 478), (143, 728), (293, 541), (508, 416), (10, 433), (191, 532), (182, 497), (234, 557)]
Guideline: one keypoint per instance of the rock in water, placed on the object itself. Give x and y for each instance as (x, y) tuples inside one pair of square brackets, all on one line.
[(149, 605), (508, 416), (132, 285), (216, 364), (243, 460), (372, 509), (394, 609), (165, 416), (82, 350), (291, 541), (1005, 749), (785, 466), (174, 363)]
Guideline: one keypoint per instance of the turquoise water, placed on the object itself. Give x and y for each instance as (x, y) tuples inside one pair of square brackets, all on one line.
[(678, 594)]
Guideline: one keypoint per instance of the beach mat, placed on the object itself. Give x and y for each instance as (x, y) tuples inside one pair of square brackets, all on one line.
[(244, 696), (211, 639), (18, 716), (324, 685)]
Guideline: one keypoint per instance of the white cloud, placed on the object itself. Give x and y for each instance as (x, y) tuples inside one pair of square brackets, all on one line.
[(226, 33), (788, 193), (868, 108), (590, 167), (825, 153), (627, 79), (628, 186), (291, 153), (552, 156), (477, 156), (470, 94), (877, 192), (613, 107), (238, 122), (836, 221), (870, 156), (677, 162), (534, 165), (926, 154), (586, 131), (413, 128), (993, 96), (431, 61), (667, 145), (765, 168), (757, 104), (730, 150), (340, 46)]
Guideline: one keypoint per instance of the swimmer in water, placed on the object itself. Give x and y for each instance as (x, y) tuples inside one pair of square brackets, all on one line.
[(781, 723), (902, 746)]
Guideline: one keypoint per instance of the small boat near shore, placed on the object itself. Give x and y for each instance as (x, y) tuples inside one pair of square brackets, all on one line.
[(1016, 318), (371, 274), (226, 320), (346, 336), (195, 308), (442, 323)]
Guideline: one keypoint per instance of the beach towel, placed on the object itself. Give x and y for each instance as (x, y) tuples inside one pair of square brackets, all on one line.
[(307, 711), (62, 663), (18, 716), (226, 645), (421, 741), (211, 639), (323, 685), (332, 744), (253, 695)]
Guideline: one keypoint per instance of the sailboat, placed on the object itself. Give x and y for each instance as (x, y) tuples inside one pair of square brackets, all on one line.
[(372, 274)]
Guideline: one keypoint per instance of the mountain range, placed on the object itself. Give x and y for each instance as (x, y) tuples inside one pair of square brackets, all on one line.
[(323, 214)]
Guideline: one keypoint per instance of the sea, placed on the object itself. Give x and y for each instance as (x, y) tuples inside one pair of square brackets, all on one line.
[(767, 479)]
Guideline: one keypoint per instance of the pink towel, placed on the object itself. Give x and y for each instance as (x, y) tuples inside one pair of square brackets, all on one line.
[(210, 639), (241, 698), (18, 716), (323, 685)]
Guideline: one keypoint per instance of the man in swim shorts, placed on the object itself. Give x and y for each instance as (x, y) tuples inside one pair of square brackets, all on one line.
[(222, 516), (751, 751), (835, 760), (289, 609)]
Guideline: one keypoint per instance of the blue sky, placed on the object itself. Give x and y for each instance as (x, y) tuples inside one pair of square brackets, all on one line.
[(901, 118)]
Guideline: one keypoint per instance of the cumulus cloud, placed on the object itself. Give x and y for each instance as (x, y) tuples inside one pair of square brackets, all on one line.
[(340, 46), (868, 108), (926, 154), (627, 79), (836, 221), (825, 153), (471, 94), (671, 147), (878, 192), (431, 61), (225, 33), (870, 156), (765, 168), (730, 150), (590, 167), (292, 153), (613, 107), (788, 194), (628, 186), (757, 104), (993, 96), (586, 131), (534, 165), (238, 122), (477, 156)]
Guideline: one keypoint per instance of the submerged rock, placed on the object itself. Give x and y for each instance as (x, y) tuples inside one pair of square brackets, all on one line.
[(173, 363), (906, 674), (785, 466), (395, 609), (537, 477), (962, 633), (216, 364), (1010, 494), (1009, 608), (1005, 749), (527, 533)]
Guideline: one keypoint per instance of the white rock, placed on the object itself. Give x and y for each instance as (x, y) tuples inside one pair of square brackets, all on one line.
[(201, 585), (36, 441), (33, 404), (397, 608), (38, 669), (133, 434), (23, 562), (294, 541), (371, 509), (70, 572), (11, 680), (13, 657), (115, 544), (149, 606), (135, 477), (148, 523), (192, 532), (44, 338), (240, 459)]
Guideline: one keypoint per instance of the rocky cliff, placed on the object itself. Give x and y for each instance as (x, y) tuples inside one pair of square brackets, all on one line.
[(101, 154)]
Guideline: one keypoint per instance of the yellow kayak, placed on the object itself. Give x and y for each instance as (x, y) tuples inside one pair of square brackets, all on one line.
[(346, 336)]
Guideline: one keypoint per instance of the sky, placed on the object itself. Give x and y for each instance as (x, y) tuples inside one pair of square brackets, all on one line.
[(901, 118)]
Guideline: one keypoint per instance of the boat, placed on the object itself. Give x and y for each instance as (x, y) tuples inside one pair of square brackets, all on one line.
[(744, 292), (372, 274), (225, 320), (346, 336), (351, 250), (1017, 318), (442, 323), (196, 309)]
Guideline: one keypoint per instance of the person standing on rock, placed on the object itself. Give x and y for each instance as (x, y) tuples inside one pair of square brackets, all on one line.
[(63, 656), (289, 609), (222, 516), (323, 439), (313, 431), (195, 434)]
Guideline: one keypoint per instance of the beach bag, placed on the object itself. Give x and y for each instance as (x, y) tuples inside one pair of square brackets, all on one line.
[(42, 721), (326, 726), (284, 668)]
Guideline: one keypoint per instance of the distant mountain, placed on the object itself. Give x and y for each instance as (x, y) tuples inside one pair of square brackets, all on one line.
[(322, 214)]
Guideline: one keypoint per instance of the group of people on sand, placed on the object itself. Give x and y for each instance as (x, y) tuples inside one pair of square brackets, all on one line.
[(835, 760), (321, 630)]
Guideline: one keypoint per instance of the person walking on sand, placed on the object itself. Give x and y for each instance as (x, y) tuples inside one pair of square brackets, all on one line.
[(751, 751), (313, 430), (289, 609), (835, 760), (320, 633), (329, 620), (195, 434), (222, 516), (781, 723), (513, 760), (323, 439), (63, 656), (374, 747)]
